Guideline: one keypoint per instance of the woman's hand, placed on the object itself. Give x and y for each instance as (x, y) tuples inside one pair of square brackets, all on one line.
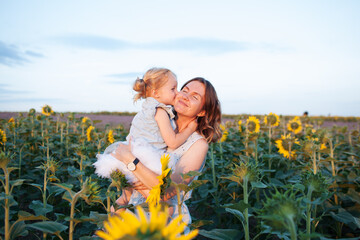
[(123, 153), (139, 186)]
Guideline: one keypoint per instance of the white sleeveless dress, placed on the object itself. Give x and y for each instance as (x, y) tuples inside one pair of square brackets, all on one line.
[(147, 143), (175, 155)]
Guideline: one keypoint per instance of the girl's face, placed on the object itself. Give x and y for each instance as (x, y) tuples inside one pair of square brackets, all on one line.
[(166, 94), (190, 100)]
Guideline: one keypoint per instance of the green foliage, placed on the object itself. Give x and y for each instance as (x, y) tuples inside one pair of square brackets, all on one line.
[(46, 170)]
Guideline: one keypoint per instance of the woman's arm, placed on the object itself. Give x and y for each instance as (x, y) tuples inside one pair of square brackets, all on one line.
[(192, 160), (173, 140), (145, 175)]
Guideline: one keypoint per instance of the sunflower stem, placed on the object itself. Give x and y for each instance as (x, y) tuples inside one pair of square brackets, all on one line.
[(214, 174), (269, 142), (72, 212), (308, 212), (246, 212), (333, 169), (314, 163), (7, 204), (292, 228), (178, 198), (20, 158)]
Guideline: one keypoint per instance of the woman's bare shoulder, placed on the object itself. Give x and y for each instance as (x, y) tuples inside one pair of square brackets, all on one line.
[(200, 143)]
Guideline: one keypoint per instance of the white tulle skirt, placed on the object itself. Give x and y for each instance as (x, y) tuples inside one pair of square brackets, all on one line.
[(146, 153)]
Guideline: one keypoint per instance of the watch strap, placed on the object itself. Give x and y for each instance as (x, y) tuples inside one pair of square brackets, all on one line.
[(136, 161)]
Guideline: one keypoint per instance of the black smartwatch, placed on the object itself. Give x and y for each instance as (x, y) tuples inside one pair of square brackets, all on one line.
[(132, 166)]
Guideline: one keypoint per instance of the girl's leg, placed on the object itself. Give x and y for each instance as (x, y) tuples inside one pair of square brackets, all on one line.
[(123, 200)]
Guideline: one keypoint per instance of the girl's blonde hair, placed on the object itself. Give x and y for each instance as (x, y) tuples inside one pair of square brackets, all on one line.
[(153, 79)]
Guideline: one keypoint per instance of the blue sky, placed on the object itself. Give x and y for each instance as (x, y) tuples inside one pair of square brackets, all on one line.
[(262, 56)]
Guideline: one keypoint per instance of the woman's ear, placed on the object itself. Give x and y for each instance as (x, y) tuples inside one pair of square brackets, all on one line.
[(201, 114)]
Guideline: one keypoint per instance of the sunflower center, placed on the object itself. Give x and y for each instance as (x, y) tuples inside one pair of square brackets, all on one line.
[(272, 119), (286, 144), (294, 125), (251, 126)]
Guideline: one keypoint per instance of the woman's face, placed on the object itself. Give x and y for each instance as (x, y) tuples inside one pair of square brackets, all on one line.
[(190, 100)]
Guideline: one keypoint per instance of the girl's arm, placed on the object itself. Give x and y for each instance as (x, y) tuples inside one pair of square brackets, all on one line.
[(173, 140)]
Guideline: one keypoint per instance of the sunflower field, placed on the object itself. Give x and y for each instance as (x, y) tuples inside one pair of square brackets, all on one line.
[(268, 177)]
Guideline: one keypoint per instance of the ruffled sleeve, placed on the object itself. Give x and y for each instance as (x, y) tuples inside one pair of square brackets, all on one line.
[(168, 109)]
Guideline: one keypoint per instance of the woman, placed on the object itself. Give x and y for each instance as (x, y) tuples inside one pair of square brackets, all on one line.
[(196, 100)]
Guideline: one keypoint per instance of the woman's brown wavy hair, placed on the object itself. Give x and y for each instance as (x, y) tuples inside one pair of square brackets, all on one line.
[(209, 124)]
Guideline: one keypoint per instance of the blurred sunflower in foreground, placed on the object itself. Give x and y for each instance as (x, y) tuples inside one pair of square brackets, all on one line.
[(285, 145), (47, 110), (253, 124), (128, 225), (294, 125), (272, 120)]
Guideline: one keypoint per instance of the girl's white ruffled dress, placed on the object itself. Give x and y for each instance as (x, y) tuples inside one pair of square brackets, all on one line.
[(146, 143)]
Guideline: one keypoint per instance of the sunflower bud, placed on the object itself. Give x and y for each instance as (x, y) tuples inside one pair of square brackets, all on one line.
[(317, 183), (118, 180), (71, 116), (32, 112), (4, 160), (280, 209), (91, 191)]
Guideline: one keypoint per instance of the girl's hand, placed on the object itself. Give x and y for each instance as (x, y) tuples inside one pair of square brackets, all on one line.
[(123, 153), (193, 125)]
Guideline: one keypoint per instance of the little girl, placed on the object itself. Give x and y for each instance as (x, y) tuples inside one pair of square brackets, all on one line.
[(152, 129)]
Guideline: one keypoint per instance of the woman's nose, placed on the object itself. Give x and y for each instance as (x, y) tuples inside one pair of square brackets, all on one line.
[(183, 95)]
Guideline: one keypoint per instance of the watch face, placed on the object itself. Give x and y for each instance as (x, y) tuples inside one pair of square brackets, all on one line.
[(131, 166)]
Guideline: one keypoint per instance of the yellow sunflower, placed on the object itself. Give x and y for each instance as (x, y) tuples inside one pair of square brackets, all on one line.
[(110, 136), (253, 124), (154, 195), (323, 146), (2, 137), (225, 133), (164, 182), (272, 120), (85, 120), (240, 125), (11, 120), (285, 144), (88, 132), (294, 125), (139, 226), (47, 110)]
